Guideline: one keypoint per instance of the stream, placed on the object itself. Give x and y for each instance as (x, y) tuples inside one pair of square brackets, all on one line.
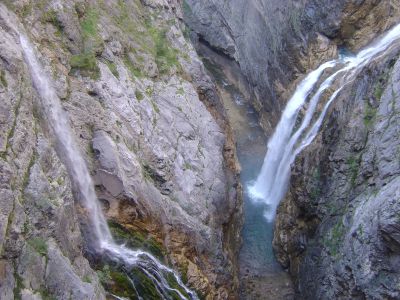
[(261, 276)]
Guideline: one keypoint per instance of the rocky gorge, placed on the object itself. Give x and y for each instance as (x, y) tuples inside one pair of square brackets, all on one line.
[(160, 95)]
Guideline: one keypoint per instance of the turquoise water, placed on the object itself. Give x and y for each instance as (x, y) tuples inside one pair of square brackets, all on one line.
[(256, 252)]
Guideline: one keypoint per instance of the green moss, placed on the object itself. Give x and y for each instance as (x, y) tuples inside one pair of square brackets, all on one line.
[(39, 244), (125, 284), (165, 56), (87, 65), (173, 283), (353, 163), (155, 107), (378, 91), (149, 91), (46, 295), (50, 16), (89, 24), (3, 80), (335, 237), (26, 9), (369, 115), (87, 279), (180, 91), (315, 190), (136, 240), (144, 286), (112, 67), (139, 95), (19, 285), (132, 69), (25, 180)]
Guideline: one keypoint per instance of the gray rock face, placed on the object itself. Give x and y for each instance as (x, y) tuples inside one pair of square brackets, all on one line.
[(276, 41), (148, 120), (338, 228)]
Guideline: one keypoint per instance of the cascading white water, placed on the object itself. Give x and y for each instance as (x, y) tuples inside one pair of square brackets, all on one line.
[(286, 143), (79, 174)]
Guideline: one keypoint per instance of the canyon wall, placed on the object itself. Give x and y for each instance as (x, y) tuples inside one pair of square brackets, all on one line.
[(275, 42), (337, 230), (152, 129)]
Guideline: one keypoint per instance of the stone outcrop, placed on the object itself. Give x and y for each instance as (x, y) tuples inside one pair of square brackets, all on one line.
[(152, 129), (276, 42), (337, 229)]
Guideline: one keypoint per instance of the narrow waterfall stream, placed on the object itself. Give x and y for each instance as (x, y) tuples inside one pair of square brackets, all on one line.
[(261, 276), (287, 141), (265, 172), (98, 236)]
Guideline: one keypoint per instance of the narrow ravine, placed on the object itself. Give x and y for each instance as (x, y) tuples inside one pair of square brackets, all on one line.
[(265, 181), (261, 276)]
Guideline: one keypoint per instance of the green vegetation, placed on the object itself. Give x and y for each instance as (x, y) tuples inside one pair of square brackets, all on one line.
[(353, 163), (87, 279), (378, 92), (315, 192), (144, 285), (89, 30), (11, 132), (86, 63), (180, 91), (39, 244), (155, 107), (187, 166), (149, 91), (136, 240), (50, 16), (315, 189), (166, 57), (136, 72), (369, 115), (27, 174), (112, 67), (173, 283), (3, 80), (116, 282), (46, 295), (360, 230), (335, 237), (139, 95), (130, 283), (19, 285)]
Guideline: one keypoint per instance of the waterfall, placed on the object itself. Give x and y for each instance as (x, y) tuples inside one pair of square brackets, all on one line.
[(69, 153), (287, 142)]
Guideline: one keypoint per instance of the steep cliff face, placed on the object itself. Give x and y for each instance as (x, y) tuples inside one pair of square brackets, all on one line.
[(338, 228), (150, 124), (276, 41)]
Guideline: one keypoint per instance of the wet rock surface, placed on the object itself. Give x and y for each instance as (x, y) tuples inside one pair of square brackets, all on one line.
[(337, 229), (276, 42), (334, 231)]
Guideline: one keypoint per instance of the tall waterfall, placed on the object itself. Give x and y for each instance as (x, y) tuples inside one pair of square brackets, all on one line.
[(286, 142), (80, 177)]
